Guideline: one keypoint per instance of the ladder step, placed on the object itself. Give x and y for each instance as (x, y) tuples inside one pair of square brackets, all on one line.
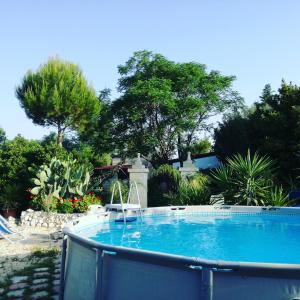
[(127, 219)]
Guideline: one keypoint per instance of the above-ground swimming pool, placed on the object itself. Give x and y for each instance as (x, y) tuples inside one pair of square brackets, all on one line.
[(204, 252)]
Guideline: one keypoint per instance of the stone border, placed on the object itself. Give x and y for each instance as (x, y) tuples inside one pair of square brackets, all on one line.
[(47, 219)]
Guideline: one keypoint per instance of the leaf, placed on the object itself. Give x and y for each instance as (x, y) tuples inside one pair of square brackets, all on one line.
[(35, 190)]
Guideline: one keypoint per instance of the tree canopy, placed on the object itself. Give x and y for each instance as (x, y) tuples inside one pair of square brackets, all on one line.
[(2, 135), (164, 104), (272, 127), (58, 95)]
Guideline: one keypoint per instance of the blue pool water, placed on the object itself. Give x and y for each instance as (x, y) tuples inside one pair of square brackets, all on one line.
[(255, 238)]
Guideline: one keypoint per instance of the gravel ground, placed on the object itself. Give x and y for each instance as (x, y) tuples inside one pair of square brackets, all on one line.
[(17, 256)]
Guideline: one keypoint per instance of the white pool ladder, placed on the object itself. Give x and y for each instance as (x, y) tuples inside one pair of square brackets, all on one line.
[(125, 206)]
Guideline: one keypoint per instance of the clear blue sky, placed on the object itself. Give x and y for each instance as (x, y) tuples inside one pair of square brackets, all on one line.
[(258, 41)]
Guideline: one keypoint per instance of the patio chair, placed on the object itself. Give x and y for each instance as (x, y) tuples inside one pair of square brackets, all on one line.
[(7, 233)]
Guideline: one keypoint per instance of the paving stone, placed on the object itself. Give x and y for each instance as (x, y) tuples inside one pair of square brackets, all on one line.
[(38, 287), (40, 295), (40, 280), (41, 269), (56, 276), (16, 293), (56, 271), (56, 297), (55, 289), (41, 274), (18, 286), (55, 282), (17, 279), (57, 260)]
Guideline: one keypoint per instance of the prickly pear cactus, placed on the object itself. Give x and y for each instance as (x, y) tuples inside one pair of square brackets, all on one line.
[(61, 179)]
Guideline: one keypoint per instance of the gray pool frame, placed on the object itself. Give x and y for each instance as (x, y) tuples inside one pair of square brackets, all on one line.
[(91, 270)]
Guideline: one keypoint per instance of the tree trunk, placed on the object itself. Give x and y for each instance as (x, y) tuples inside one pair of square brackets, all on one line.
[(179, 150), (60, 136)]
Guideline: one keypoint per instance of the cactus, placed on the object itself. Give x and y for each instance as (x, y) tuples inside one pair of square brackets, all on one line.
[(61, 179)]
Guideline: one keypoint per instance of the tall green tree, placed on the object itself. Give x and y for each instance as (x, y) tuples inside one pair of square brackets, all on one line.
[(58, 95), (272, 127), (164, 105)]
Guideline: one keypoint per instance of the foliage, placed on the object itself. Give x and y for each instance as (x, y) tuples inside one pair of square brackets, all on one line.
[(197, 148), (164, 105), (194, 190), (58, 95), (66, 205), (124, 184), (61, 179), (278, 197), (167, 187), (9, 197), (19, 158), (271, 127), (2, 136), (244, 180)]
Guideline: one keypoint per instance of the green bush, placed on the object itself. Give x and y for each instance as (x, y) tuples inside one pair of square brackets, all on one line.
[(167, 187), (65, 207), (19, 158), (9, 197), (245, 180)]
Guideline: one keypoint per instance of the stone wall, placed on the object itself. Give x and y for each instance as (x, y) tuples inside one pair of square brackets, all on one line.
[(44, 219)]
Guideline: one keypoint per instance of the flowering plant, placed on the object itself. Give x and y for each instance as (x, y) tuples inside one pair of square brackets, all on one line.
[(71, 205)]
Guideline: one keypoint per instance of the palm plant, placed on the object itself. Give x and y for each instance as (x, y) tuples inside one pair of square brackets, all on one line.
[(245, 180)]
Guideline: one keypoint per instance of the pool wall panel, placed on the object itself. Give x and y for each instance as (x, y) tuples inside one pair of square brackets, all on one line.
[(235, 286), (80, 275), (128, 279)]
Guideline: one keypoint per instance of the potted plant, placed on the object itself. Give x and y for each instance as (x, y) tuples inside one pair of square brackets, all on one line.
[(8, 201)]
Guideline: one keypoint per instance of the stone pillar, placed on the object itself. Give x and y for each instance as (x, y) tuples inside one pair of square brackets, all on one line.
[(139, 173), (188, 167)]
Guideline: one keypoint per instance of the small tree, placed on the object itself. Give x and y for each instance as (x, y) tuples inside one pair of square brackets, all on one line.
[(58, 95)]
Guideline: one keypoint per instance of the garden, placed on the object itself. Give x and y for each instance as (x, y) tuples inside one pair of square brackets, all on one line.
[(163, 110)]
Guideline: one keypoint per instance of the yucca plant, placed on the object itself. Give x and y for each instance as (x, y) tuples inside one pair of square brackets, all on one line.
[(278, 197), (245, 180)]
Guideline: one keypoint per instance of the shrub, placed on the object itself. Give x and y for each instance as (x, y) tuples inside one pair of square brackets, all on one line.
[(168, 187), (19, 158), (245, 180), (67, 205)]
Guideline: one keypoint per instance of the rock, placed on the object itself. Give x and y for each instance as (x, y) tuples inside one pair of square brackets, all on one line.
[(55, 282), (55, 289), (1, 291)]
